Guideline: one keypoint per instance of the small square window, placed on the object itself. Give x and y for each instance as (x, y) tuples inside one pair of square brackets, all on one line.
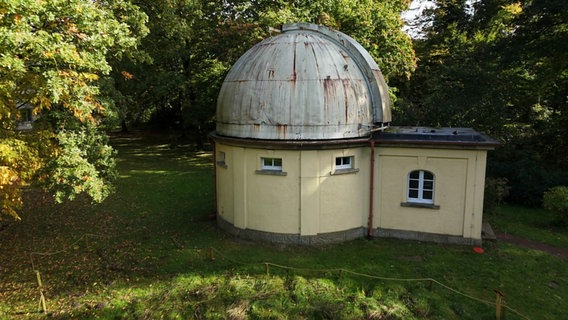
[(272, 164), (342, 163)]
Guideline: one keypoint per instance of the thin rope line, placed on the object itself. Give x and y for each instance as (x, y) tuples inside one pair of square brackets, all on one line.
[(65, 249), (399, 279)]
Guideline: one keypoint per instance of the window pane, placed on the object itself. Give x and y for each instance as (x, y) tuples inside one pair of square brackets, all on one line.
[(271, 164), (344, 163), (421, 186), (413, 184)]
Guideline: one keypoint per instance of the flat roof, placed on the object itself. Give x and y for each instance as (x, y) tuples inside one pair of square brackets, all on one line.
[(434, 136)]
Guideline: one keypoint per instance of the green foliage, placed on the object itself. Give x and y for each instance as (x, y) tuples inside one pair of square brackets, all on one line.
[(496, 191), (526, 174), (192, 45), (556, 200), (375, 24), (53, 56), (83, 163), (501, 69)]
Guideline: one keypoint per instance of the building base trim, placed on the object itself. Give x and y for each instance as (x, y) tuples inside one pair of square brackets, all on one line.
[(340, 236), (425, 237), (291, 238)]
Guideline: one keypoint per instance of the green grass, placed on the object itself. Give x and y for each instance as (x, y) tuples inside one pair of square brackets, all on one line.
[(532, 224), (151, 251)]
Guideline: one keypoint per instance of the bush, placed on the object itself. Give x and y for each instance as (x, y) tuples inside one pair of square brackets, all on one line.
[(528, 179), (496, 191), (556, 200)]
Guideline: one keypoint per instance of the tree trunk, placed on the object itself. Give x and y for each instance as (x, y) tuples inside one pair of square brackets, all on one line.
[(123, 126)]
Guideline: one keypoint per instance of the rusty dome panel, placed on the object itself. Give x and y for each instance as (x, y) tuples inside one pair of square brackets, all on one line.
[(299, 85)]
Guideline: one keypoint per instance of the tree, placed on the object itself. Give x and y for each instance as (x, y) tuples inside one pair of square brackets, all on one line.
[(159, 86), (192, 45), (375, 24), (54, 55), (500, 67), (538, 53)]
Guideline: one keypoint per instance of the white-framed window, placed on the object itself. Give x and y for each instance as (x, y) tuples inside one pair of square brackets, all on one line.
[(271, 164), (342, 163), (420, 187)]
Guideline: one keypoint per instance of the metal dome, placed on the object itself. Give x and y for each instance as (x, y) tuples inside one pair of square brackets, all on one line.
[(307, 83)]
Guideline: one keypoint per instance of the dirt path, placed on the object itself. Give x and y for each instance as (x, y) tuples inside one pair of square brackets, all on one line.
[(559, 252)]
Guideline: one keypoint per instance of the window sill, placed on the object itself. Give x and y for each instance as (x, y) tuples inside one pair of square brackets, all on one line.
[(344, 171), (222, 164), (420, 205), (271, 172)]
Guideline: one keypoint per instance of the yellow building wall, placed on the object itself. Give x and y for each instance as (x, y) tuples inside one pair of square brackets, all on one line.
[(458, 190), (311, 198), (344, 198), (272, 201)]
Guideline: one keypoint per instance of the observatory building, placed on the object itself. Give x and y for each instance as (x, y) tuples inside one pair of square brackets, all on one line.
[(304, 153)]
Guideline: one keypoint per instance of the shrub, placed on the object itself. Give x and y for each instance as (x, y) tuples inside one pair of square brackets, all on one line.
[(556, 200), (496, 190), (528, 179)]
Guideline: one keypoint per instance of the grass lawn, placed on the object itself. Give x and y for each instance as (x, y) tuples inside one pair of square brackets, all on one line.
[(532, 224), (151, 251)]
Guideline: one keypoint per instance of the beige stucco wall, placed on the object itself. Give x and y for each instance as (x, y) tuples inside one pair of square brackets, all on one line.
[(311, 198), (458, 190)]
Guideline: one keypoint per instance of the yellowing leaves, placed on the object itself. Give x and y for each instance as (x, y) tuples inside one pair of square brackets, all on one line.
[(8, 176), (10, 198), (126, 75), (513, 8), (52, 54)]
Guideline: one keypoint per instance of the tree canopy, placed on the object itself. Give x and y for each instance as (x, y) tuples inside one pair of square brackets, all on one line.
[(78, 67), (500, 66), (192, 46), (54, 55)]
